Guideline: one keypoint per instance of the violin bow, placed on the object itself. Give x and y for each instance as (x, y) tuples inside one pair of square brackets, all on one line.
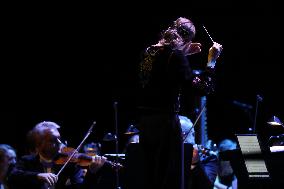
[(203, 108), (77, 149)]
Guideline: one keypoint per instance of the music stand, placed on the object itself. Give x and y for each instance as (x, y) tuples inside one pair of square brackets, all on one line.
[(249, 163), (135, 168)]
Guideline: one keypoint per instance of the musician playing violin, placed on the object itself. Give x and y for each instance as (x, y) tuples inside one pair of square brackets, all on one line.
[(204, 164), (39, 170)]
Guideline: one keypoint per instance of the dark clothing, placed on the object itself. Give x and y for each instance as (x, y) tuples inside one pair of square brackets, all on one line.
[(204, 174), (5, 180), (169, 70), (227, 180), (160, 143), (164, 74), (24, 175)]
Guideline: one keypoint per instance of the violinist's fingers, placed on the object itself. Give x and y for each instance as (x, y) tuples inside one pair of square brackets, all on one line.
[(103, 159), (48, 181), (48, 178), (96, 159), (195, 154), (97, 163), (44, 177), (99, 159), (53, 178)]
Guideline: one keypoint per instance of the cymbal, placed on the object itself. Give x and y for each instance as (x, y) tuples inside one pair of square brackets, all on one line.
[(109, 137), (131, 130)]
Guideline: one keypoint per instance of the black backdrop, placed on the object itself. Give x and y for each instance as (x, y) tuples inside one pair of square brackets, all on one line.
[(70, 63)]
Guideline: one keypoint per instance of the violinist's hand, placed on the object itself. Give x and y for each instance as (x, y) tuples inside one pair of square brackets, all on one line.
[(97, 163), (195, 157), (214, 53), (48, 178)]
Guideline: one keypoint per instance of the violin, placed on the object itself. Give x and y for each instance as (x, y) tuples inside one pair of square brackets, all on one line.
[(81, 159), (205, 152)]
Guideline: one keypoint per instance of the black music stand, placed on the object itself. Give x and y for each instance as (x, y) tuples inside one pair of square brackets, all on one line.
[(135, 166), (250, 162)]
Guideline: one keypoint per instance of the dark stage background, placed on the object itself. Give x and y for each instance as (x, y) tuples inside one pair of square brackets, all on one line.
[(70, 63)]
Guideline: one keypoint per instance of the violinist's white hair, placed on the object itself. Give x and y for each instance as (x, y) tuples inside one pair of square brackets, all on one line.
[(186, 124)]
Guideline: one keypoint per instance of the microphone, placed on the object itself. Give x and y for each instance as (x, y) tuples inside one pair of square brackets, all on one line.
[(242, 105)]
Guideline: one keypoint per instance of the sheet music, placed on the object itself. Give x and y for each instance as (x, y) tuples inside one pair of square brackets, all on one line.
[(249, 145), (255, 164)]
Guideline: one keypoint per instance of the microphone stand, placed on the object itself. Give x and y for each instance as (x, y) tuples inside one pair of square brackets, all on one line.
[(116, 144), (258, 99)]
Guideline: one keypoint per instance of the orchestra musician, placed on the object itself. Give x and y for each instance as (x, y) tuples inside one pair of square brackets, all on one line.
[(8, 158), (204, 164), (39, 170)]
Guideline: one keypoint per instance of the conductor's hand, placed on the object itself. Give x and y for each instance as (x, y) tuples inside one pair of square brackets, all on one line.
[(97, 163), (191, 48), (48, 178), (214, 52)]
